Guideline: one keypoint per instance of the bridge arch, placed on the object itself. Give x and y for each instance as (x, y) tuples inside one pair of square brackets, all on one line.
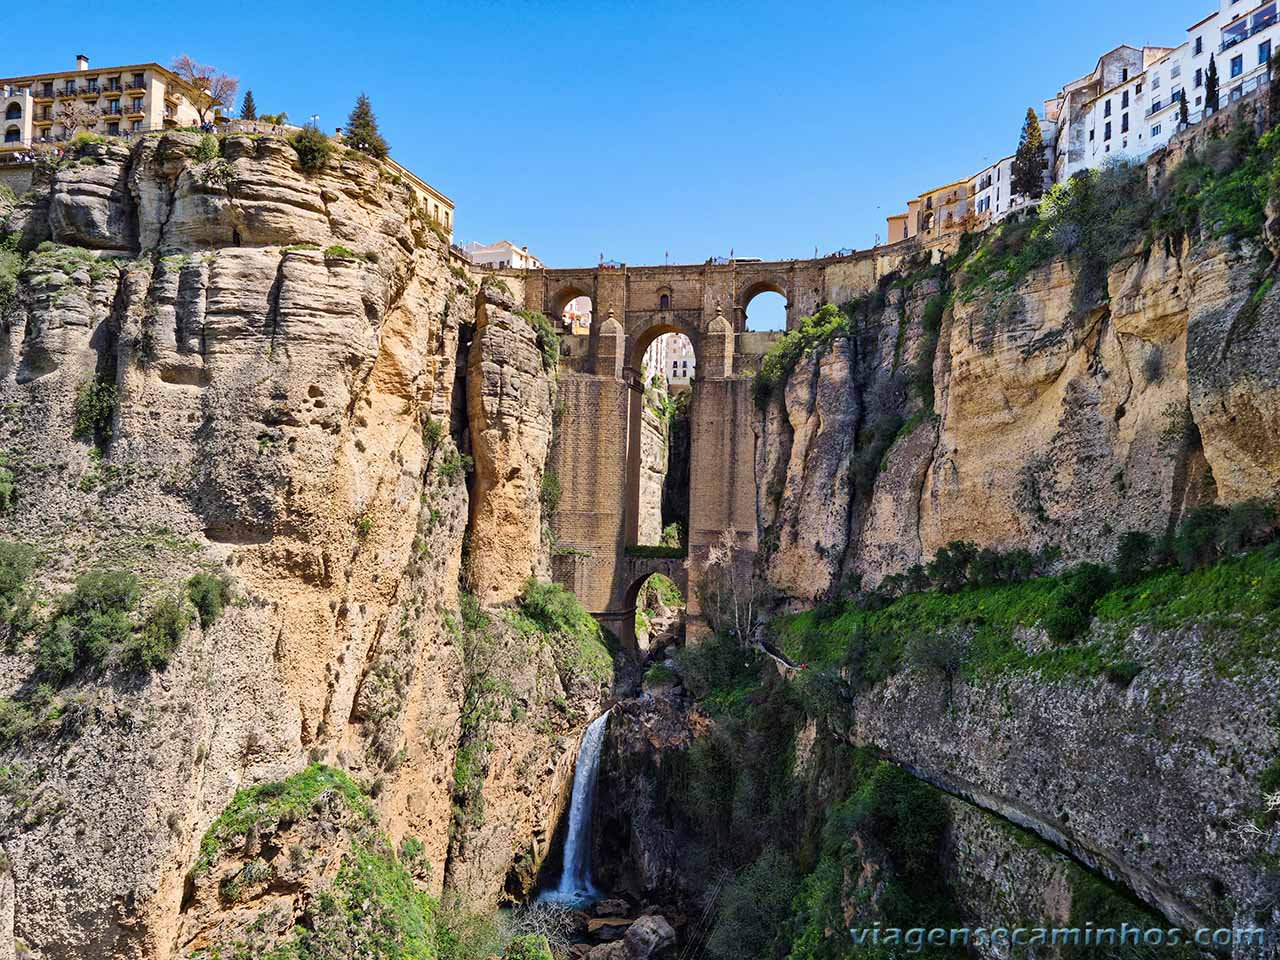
[(635, 420), (559, 299), (752, 290), (636, 574)]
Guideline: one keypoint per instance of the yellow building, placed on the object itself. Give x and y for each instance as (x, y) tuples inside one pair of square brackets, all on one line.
[(114, 101)]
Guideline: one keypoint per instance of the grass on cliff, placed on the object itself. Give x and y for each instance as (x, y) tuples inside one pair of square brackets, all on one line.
[(971, 632), (579, 644), (267, 804)]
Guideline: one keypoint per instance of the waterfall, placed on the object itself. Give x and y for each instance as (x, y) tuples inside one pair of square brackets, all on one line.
[(575, 876)]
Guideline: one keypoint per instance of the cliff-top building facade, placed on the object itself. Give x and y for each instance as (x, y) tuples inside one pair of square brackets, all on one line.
[(1127, 106), (118, 100)]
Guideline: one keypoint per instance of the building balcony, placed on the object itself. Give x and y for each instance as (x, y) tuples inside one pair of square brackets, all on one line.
[(133, 86), (1241, 33), (90, 92), (67, 93), (113, 112)]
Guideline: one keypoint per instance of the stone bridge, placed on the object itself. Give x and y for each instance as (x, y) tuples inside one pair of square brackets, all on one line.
[(597, 455)]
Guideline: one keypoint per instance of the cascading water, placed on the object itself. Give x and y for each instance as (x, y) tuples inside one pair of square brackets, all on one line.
[(575, 876)]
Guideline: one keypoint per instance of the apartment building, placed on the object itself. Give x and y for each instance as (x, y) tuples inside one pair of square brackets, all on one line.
[(1132, 118), (1127, 106), (671, 356), (116, 100), (501, 255)]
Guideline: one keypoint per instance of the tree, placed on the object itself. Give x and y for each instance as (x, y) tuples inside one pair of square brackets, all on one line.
[(1183, 117), (77, 115), (362, 130), (1211, 86), (210, 87), (248, 109), (1028, 162)]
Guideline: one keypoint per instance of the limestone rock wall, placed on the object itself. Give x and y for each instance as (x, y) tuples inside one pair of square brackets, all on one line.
[(653, 474), (509, 396), (1051, 425), (283, 348)]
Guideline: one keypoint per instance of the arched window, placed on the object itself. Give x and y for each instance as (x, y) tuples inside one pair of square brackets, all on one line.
[(664, 302), (13, 135), (13, 112)]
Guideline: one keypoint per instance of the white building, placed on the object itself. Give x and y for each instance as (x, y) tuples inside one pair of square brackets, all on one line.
[(501, 255), (577, 315), (671, 356), (1136, 112), (992, 190)]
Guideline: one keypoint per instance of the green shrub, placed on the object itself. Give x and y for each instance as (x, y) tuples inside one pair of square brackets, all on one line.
[(10, 269), (529, 947), (1123, 672), (454, 465), (547, 339), (550, 493), (313, 149), (577, 639), (812, 334), (1073, 602), (1269, 780), (209, 595), (153, 646), (89, 622), (8, 486), (432, 434), (754, 910), (208, 149), (659, 673), (17, 563), (281, 802), (1134, 555), (95, 408), (672, 536)]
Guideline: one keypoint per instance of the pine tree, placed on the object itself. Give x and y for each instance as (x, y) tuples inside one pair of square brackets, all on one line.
[(1028, 162), (362, 130), (1211, 86), (1183, 117), (248, 109)]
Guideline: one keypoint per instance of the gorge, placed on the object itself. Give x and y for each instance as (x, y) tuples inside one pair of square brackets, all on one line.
[(304, 522)]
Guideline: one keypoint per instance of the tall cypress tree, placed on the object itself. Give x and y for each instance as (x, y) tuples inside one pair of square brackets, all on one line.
[(248, 109), (1183, 117), (1211, 86), (1028, 162), (362, 130)]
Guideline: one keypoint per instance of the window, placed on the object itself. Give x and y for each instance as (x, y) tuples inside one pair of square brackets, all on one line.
[(1124, 74), (1155, 82), (14, 112), (1137, 91), (113, 129), (1176, 95), (1091, 133), (13, 135), (113, 106), (1199, 82), (1175, 72), (1106, 109), (1124, 123), (1155, 131), (71, 86), (1124, 100), (664, 302), (136, 125), (1237, 65), (1156, 106), (1264, 52), (47, 91), (137, 79), (1199, 47), (1106, 133), (137, 104)]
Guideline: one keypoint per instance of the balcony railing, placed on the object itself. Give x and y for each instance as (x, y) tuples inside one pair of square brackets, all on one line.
[(1259, 25), (133, 85)]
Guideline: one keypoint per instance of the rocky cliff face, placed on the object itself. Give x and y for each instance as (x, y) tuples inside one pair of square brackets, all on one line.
[(1049, 425), (282, 348)]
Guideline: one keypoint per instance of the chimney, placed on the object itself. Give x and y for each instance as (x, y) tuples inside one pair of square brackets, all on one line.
[(82, 62)]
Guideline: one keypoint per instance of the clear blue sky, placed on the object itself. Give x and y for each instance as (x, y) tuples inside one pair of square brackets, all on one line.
[(637, 129)]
